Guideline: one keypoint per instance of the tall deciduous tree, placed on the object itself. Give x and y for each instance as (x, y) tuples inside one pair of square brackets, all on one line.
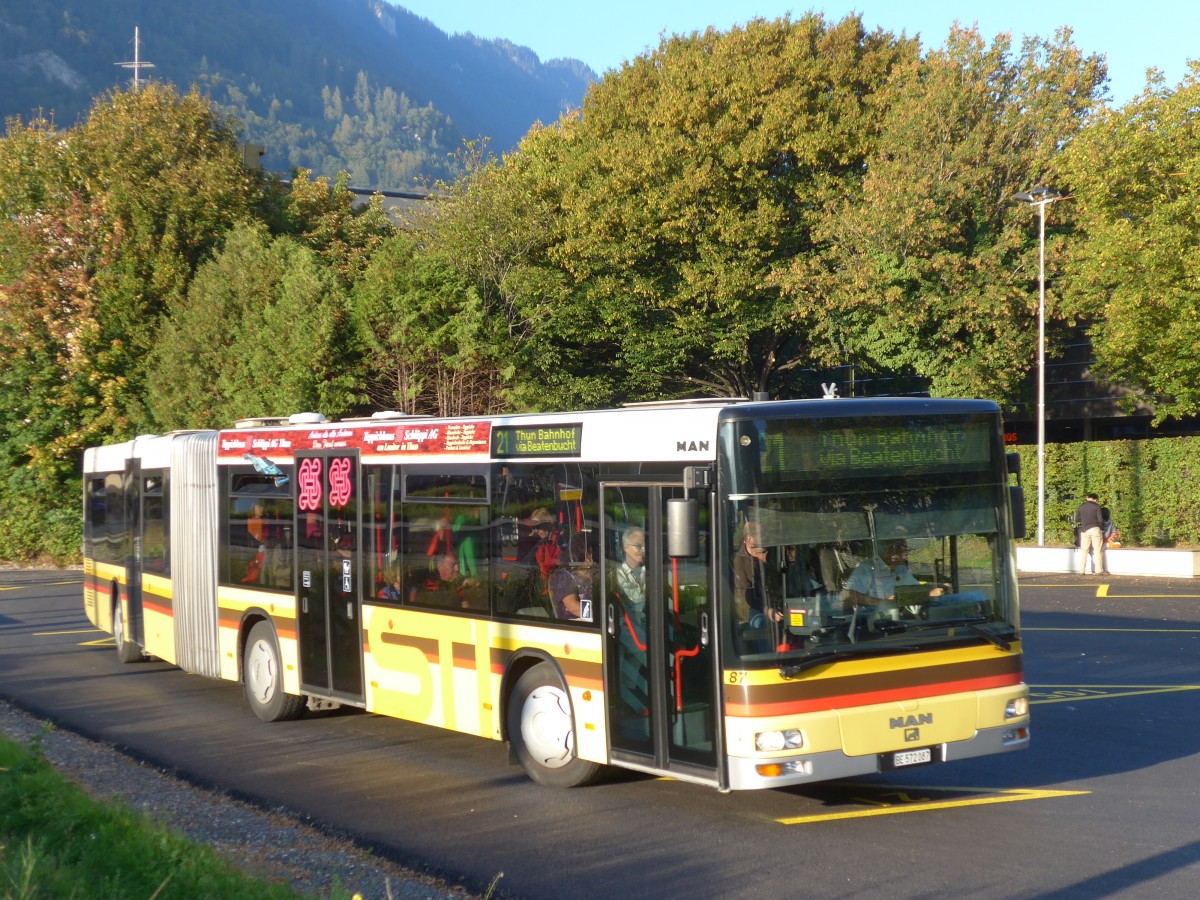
[(932, 267), (153, 180), (325, 217), (1135, 180), (100, 228), (697, 174), (496, 227)]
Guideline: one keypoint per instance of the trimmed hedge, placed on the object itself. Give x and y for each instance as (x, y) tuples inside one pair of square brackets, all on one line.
[(1151, 487), (38, 527)]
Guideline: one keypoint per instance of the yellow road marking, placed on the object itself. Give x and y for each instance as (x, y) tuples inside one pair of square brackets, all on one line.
[(1070, 693), (100, 642), (925, 804), (39, 585), (53, 633), (1102, 590), (15, 587), (1108, 596), (1152, 597)]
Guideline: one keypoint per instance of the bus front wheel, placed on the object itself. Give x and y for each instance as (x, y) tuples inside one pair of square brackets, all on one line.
[(127, 651), (262, 673), (542, 730)]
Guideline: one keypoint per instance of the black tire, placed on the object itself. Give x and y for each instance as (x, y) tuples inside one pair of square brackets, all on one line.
[(262, 676), (127, 651), (541, 729)]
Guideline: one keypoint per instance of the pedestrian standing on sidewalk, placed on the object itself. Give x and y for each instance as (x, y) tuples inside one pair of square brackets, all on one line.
[(1091, 536)]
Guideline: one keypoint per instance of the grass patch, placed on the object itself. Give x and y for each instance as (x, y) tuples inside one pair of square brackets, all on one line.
[(56, 841)]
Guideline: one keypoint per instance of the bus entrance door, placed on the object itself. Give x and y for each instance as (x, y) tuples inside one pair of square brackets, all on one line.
[(329, 609), (133, 551), (661, 675)]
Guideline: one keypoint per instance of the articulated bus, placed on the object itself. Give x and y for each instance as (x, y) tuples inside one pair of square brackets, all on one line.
[(760, 594)]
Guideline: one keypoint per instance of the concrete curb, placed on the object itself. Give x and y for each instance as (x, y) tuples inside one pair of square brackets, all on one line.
[(1160, 563)]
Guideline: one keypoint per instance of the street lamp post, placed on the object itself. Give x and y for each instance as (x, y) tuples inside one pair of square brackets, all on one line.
[(1041, 197)]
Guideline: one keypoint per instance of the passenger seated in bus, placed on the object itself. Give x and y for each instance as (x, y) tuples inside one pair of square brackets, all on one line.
[(254, 523), (446, 581), (392, 589), (545, 551), (571, 584), (467, 528), (874, 581)]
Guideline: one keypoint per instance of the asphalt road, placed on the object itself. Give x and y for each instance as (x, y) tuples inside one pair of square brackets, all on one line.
[(1106, 803)]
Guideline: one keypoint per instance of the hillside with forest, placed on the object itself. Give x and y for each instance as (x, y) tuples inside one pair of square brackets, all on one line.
[(361, 86)]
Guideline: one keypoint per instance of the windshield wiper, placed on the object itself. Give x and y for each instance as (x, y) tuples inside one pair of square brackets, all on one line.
[(972, 623), (819, 659)]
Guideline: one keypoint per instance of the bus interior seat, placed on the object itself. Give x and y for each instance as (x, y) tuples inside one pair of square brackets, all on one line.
[(836, 566)]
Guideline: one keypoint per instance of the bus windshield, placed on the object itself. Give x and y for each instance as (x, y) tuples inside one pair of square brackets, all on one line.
[(864, 536)]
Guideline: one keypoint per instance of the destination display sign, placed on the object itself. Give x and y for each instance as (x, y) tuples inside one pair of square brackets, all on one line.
[(530, 441), (838, 447)]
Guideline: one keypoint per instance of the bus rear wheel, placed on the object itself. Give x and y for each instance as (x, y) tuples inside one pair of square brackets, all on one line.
[(127, 651), (262, 673), (542, 730)]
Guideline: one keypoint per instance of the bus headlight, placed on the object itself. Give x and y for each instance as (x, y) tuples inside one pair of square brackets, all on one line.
[(774, 741), (1017, 708)]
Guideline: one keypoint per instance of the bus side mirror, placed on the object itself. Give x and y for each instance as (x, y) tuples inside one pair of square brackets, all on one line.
[(1014, 463), (683, 532), (1016, 498), (1016, 495)]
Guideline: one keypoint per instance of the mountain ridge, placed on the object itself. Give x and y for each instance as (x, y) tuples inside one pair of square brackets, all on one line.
[(281, 67)]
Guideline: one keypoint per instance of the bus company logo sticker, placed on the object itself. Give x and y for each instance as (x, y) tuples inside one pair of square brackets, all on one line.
[(309, 480), (421, 434), (911, 721), (272, 443), (340, 484)]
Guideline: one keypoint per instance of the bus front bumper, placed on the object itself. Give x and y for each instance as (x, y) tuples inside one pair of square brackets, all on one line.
[(749, 774)]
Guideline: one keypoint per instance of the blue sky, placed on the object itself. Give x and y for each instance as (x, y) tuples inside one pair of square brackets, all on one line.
[(1134, 34)]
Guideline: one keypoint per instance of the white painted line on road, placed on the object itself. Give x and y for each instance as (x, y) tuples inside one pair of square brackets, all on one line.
[(1069, 693)]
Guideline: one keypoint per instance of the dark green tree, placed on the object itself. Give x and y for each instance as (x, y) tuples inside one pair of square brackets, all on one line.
[(422, 326)]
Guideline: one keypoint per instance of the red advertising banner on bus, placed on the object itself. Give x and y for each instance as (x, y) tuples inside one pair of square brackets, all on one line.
[(388, 438)]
